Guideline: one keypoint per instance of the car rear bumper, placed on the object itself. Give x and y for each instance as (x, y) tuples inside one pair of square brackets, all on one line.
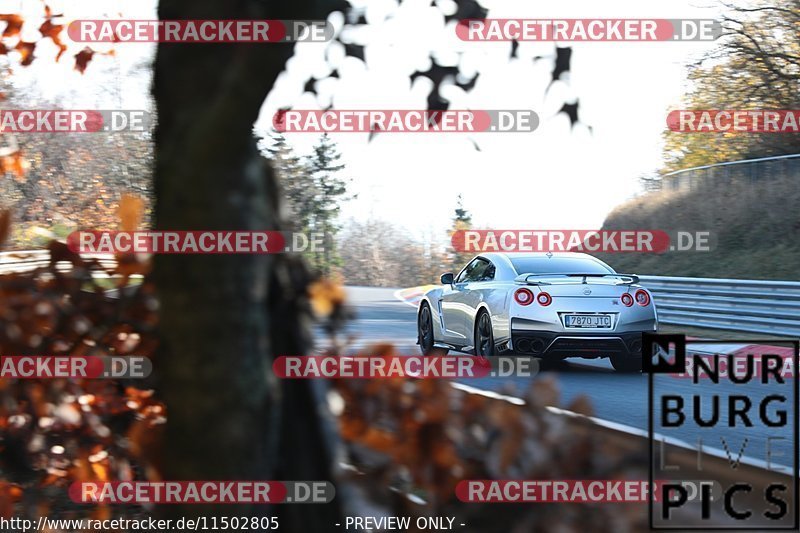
[(591, 345)]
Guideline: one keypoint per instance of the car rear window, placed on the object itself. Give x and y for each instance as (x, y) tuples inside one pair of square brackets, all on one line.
[(559, 265)]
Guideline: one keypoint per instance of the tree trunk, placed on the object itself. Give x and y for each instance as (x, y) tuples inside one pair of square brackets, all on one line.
[(225, 406)]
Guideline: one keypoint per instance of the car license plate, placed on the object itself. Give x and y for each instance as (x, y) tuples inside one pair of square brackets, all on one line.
[(587, 321)]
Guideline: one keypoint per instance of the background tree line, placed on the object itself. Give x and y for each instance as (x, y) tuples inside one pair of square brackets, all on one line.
[(372, 252), (376, 253), (756, 66), (314, 191), (748, 208), (56, 183)]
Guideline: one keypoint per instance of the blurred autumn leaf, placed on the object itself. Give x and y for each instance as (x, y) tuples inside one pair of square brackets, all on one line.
[(130, 211), (326, 296), (48, 30), (54, 432), (25, 50), (13, 25), (5, 225), (410, 441), (15, 164), (9, 495), (52, 31), (82, 59)]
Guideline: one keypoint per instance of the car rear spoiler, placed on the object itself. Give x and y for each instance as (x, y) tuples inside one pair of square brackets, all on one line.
[(625, 279)]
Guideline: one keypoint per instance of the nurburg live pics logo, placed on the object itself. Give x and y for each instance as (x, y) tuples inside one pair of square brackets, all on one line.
[(737, 429)]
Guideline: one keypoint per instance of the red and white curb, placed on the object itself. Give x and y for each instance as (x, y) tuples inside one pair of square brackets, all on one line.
[(413, 295)]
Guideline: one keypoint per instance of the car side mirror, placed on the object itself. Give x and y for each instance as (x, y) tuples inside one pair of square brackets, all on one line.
[(447, 278)]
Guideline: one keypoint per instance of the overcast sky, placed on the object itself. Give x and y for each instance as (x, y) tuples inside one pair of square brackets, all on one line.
[(554, 177)]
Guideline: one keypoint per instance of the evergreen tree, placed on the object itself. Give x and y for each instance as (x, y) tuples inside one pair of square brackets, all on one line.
[(329, 191), (296, 182), (461, 221)]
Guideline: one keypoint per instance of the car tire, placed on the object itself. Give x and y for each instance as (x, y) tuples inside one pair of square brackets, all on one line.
[(425, 331), (627, 363), (484, 335)]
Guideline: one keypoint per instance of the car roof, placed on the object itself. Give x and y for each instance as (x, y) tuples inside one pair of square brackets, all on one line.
[(491, 256), (503, 260)]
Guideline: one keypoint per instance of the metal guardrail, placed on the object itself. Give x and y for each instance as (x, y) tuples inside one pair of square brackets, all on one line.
[(26, 260), (749, 171), (754, 306)]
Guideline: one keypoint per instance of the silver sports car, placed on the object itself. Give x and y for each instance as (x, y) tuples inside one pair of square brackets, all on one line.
[(539, 304)]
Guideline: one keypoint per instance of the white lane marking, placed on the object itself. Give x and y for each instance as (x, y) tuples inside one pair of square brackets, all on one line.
[(488, 393), (623, 428)]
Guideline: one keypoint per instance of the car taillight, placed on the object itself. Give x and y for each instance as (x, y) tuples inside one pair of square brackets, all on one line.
[(544, 299), (523, 296), (627, 299), (642, 298)]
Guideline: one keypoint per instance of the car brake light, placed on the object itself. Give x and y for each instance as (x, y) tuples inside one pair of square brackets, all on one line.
[(627, 299), (544, 299), (642, 298), (523, 296)]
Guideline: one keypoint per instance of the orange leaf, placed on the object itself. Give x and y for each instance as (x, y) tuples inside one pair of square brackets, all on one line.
[(14, 25), (8, 495), (80, 469), (26, 52), (53, 31), (82, 59), (326, 295), (100, 471), (15, 164), (379, 440), (130, 212), (5, 225)]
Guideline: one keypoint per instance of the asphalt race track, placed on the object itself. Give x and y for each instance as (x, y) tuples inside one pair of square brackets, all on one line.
[(382, 317)]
